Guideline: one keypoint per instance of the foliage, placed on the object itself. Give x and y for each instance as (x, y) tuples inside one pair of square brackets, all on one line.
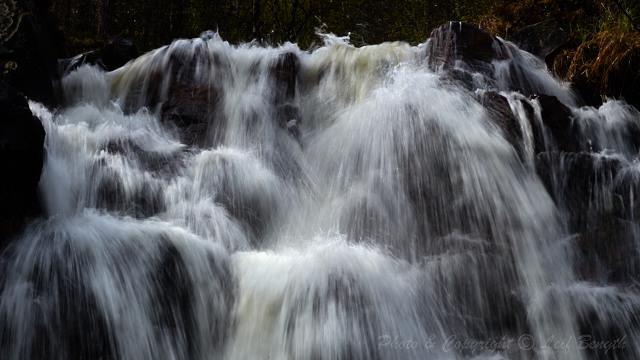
[(605, 63), (157, 22), (154, 23)]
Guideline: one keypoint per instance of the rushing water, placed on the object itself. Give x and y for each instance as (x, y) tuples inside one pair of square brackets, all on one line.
[(364, 207)]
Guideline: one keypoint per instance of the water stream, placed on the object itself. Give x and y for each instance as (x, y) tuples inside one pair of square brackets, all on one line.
[(218, 201)]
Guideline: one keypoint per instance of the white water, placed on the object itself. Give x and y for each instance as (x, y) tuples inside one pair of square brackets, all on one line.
[(399, 222)]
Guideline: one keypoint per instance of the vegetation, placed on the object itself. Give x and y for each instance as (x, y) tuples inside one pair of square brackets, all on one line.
[(153, 23)]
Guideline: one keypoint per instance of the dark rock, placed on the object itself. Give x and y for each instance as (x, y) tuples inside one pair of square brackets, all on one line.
[(64, 319), (171, 69), (21, 160), (474, 58), (500, 113), (146, 198), (604, 314), (89, 58), (113, 55), (596, 193), (477, 284), (111, 194), (517, 76), (63, 316), (603, 252), (542, 39), (175, 313), (586, 91), (185, 100), (288, 117), (118, 52), (459, 78), (342, 294), (159, 163), (189, 101), (285, 74), (462, 41), (627, 188), (192, 110), (632, 138), (285, 77), (558, 120), (176, 290), (581, 184)]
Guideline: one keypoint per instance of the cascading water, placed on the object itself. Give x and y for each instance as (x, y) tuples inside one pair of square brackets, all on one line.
[(240, 202)]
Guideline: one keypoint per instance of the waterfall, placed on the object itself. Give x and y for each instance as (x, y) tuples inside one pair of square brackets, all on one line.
[(217, 201)]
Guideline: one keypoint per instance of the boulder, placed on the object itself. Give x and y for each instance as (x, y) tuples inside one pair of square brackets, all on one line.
[(627, 188), (543, 39), (191, 109), (62, 315), (72, 323), (480, 299), (500, 114), (603, 252), (459, 41), (118, 52), (113, 55), (159, 163), (558, 121), (597, 194), (458, 79), (284, 75), (21, 160), (89, 58), (182, 82), (581, 184)]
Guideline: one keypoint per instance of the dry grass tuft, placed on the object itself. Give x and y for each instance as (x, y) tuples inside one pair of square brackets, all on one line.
[(608, 62)]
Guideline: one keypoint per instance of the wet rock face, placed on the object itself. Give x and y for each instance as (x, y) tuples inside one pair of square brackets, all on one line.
[(184, 82), (500, 113), (603, 252), (177, 312), (118, 52), (193, 105), (70, 318), (79, 329), (471, 58), (542, 39), (191, 109), (285, 78), (558, 121), (582, 183), (21, 159), (285, 74), (187, 99), (557, 118), (459, 41), (597, 195), (627, 188)]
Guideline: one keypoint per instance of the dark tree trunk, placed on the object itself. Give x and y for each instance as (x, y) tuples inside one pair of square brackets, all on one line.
[(102, 9)]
